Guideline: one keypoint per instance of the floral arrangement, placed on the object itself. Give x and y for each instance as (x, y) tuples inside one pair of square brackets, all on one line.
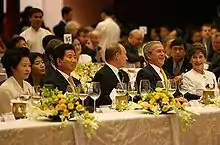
[(86, 71), (161, 102), (60, 107)]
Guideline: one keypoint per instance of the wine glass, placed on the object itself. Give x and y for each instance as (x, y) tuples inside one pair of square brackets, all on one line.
[(121, 89), (172, 86), (160, 84), (82, 92), (183, 89), (94, 92), (219, 85), (144, 87), (132, 90), (131, 71)]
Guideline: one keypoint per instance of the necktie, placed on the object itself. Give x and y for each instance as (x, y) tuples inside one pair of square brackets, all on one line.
[(164, 78), (176, 70), (121, 77), (71, 82)]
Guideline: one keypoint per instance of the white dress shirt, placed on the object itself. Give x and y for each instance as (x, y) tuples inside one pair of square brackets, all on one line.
[(196, 82), (110, 33), (9, 90), (115, 70), (34, 38)]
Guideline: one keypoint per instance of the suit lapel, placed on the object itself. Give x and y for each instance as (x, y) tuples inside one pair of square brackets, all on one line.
[(61, 79), (156, 75), (111, 74)]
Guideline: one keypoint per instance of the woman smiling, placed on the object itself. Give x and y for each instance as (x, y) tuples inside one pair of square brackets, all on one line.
[(197, 78)]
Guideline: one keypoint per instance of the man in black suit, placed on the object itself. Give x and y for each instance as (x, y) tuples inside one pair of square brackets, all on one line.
[(110, 75), (215, 65), (154, 54), (83, 35), (178, 62), (135, 40), (59, 29), (49, 50), (65, 62)]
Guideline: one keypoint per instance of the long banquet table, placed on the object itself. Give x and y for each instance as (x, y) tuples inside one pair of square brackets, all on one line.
[(118, 128)]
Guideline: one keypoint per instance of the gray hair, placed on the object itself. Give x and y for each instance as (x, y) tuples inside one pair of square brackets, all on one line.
[(147, 49), (71, 25), (54, 43)]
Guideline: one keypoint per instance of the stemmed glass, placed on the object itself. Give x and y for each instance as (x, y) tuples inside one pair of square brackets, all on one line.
[(219, 85), (183, 89), (144, 87), (132, 90), (94, 92), (160, 84), (36, 95), (82, 91), (172, 86), (121, 89), (131, 71)]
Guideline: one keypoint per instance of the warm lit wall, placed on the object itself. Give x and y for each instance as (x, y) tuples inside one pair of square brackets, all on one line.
[(87, 12)]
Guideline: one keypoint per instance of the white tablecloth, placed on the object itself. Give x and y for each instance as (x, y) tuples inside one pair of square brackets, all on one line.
[(118, 128)]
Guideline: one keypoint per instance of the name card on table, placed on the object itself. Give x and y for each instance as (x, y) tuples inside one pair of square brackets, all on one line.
[(67, 38), (7, 117)]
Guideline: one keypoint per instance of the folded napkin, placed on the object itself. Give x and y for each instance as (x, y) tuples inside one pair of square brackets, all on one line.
[(113, 94)]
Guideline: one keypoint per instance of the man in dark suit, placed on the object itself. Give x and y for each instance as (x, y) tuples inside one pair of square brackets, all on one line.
[(215, 65), (110, 75), (178, 62), (59, 29), (154, 53), (83, 35), (135, 40), (49, 51), (65, 62)]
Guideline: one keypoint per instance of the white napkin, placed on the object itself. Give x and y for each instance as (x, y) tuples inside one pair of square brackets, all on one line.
[(113, 94)]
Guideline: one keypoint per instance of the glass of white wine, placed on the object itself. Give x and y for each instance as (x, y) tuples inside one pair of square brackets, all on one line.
[(82, 92), (121, 89), (144, 87), (132, 90), (94, 92), (172, 86), (183, 89), (219, 85)]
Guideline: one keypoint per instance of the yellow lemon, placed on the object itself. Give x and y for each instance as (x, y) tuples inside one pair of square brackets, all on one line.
[(70, 106)]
